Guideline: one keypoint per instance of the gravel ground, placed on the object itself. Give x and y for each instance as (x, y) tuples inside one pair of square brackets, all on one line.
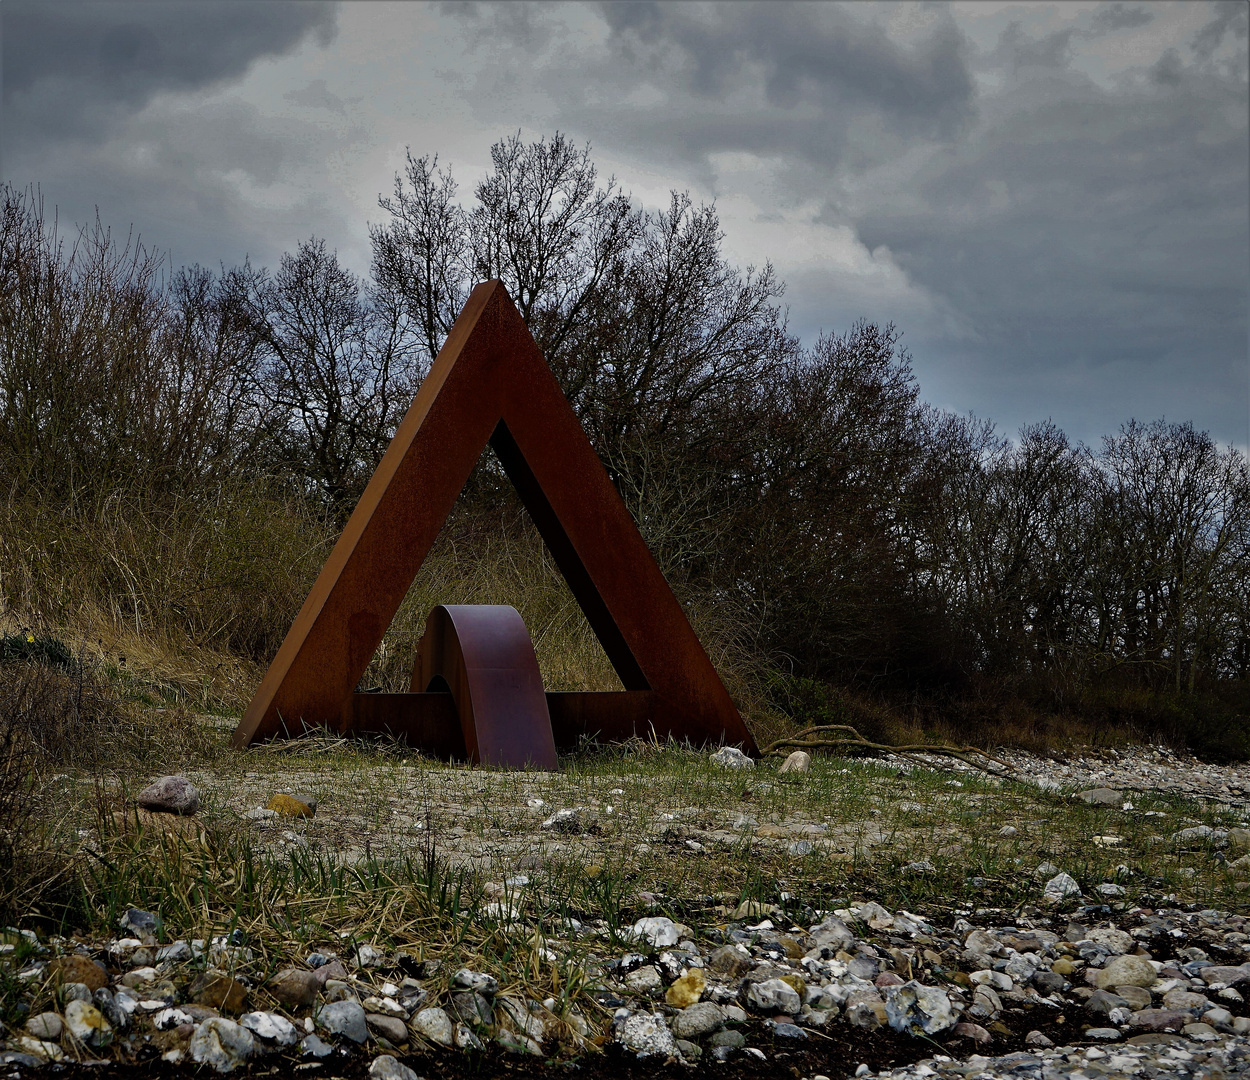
[(1073, 986)]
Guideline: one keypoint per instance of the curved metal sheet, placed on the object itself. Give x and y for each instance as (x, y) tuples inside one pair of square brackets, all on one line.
[(482, 653)]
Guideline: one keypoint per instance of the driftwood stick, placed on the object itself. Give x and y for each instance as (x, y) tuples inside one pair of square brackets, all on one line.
[(824, 737)]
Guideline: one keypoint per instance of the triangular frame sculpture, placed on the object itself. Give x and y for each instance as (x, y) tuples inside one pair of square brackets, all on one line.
[(491, 385)]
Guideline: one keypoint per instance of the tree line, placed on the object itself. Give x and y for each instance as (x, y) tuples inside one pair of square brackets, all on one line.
[(861, 535)]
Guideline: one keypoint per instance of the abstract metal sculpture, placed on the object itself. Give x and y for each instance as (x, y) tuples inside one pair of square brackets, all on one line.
[(490, 384)]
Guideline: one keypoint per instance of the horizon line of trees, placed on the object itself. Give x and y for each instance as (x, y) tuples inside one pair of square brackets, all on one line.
[(863, 535)]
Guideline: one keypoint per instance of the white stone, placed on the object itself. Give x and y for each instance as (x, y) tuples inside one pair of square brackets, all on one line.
[(657, 930), (997, 979), (643, 980), (368, 956), (1059, 888), (435, 1025), (276, 1029), (169, 1018), (798, 762), (222, 1044), (773, 996), (730, 757), (919, 1009), (476, 981), (646, 1034), (87, 1024)]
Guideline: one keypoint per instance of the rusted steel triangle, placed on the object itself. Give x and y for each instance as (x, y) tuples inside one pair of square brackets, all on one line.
[(490, 384)]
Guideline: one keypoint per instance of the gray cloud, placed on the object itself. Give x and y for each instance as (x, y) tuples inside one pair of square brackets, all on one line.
[(74, 68)]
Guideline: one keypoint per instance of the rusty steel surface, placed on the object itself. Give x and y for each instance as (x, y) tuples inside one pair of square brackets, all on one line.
[(490, 384), (482, 654)]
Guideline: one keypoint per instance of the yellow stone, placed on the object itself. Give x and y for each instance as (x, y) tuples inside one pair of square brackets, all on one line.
[(755, 909), (796, 981), (794, 950), (289, 806), (772, 832), (686, 990), (1062, 966)]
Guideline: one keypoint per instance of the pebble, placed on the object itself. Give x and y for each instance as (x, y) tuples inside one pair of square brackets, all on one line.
[(730, 757), (646, 1034), (798, 762), (295, 988), (697, 1020), (75, 968), (386, 1067), (345, 1018), (170, 795), (47, 1025), (222, 1044), (87, 1024), (271, 1027), (288, 806), (435, 1025)]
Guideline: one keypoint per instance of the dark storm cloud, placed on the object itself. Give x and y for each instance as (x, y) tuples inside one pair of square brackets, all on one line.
[(107, 108), (1097, 230), (74, 68), (817, 60), (806, 54)]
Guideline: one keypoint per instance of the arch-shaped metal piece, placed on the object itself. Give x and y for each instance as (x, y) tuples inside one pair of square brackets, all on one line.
[(482, 653)]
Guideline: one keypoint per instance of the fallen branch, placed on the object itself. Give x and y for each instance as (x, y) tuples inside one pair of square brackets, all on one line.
[(818, 738)]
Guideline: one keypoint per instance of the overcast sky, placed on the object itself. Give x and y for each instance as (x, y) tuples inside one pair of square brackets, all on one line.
[(1050, 200)]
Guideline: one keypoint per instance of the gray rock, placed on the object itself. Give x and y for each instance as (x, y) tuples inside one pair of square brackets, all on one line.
[(731, 1039), (800, 848), (1103, 1034), (476, 981), (696, 1021), (435, 1025), (646, 1035), (314, 1046), (1159, 1020), (345, 1018), (788, 1031), (1200, 1032), (1226, 975), (390, 1028), (471, 1008), (688, 1050), (170, 795), (919, 1009), (771, 996), (386, 1067), (1101, 1003), (1101, 797), (222, 1044), (730, 757), (644, 980), (138, 921), (47, 1025)]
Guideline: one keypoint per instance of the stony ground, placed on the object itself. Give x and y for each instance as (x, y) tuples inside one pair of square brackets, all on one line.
[(1109, 959)]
